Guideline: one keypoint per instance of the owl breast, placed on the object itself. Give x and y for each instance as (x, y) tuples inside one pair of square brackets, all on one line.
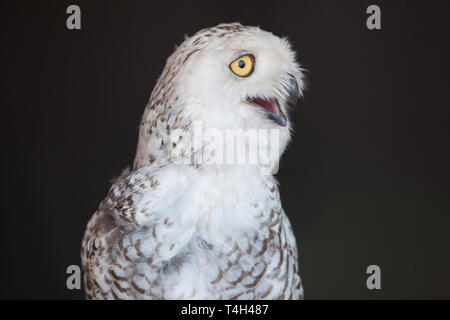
[(218, 241)]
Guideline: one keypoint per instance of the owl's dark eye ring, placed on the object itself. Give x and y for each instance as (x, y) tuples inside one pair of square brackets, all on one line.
[(244, 65)]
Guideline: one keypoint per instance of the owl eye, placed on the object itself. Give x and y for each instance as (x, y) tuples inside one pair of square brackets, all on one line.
[(243, 66)]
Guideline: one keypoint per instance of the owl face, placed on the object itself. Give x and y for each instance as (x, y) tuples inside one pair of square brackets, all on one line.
[(247, 80), (226, 78)]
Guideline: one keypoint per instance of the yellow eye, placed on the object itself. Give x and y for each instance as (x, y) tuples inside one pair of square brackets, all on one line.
[(243, 66)]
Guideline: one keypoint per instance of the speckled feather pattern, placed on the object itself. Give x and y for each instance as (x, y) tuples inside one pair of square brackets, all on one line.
[(171, 231)]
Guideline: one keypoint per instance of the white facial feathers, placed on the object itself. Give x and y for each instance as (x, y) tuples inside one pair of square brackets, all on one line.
[(197, 85)]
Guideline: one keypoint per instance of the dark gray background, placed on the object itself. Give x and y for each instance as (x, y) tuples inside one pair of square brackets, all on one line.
[(365, 180)]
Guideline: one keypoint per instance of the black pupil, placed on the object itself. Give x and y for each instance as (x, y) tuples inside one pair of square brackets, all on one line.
[(241, 64)]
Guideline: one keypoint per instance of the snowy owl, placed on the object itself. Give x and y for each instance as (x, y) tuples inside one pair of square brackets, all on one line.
[(180, 226)]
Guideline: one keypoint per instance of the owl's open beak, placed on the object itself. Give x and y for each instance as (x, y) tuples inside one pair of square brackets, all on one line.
[(272, 108)]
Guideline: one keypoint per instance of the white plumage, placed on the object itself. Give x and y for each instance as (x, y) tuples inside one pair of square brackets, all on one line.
[(178, 228)]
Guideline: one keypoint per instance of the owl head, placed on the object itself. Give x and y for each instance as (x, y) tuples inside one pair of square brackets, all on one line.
[(230, 77)]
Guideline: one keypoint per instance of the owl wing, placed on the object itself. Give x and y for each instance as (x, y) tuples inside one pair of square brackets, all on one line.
[(133, 229)]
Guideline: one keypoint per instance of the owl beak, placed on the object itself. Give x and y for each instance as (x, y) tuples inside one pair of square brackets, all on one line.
[(272, 109), (293, 91), (271, 105)]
